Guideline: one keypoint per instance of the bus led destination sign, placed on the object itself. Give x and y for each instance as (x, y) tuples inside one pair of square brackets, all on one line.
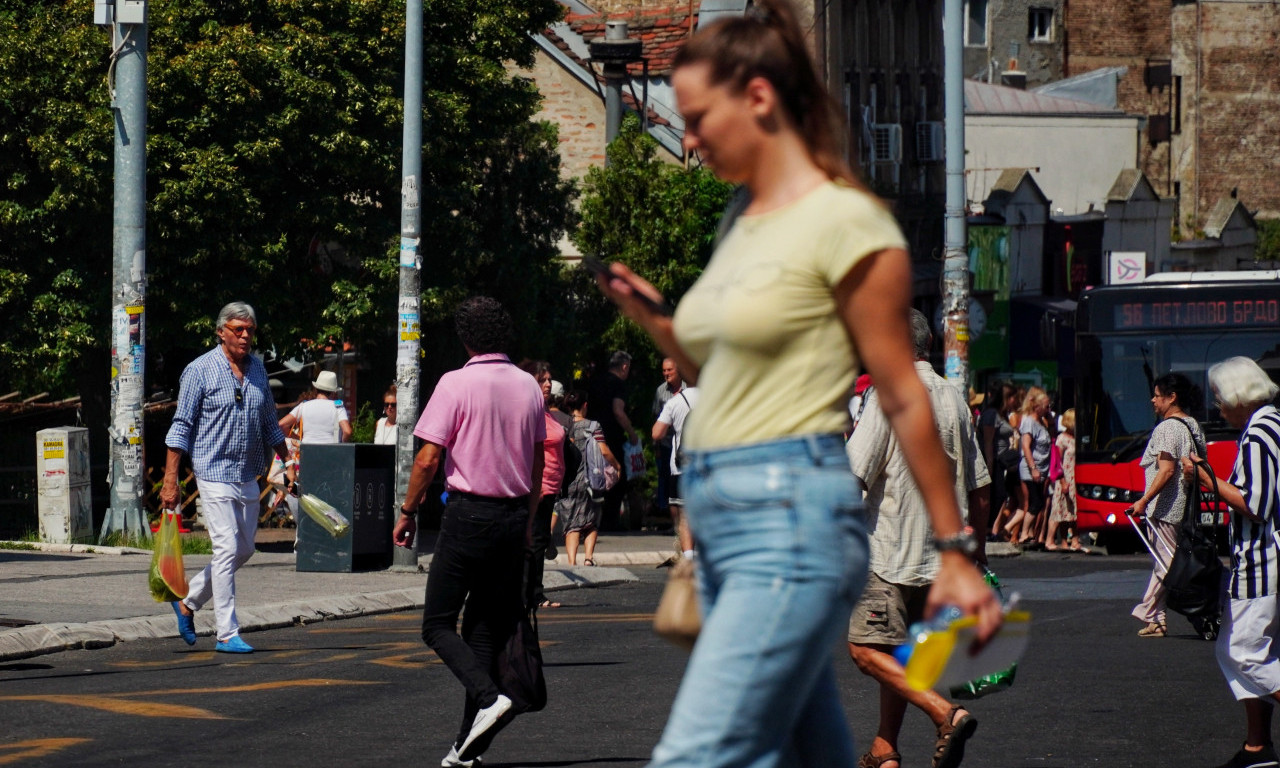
[(1227, 313)]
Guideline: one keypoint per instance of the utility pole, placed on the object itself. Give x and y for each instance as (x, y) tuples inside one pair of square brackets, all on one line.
[(407, 349), (955, 269), (127, 77)]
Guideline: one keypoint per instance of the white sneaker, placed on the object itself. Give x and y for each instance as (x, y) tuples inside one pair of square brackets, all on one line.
[(486, 720), (452, 760)]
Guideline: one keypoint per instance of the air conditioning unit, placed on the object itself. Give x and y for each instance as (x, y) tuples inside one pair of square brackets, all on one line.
[(930, 141), (886, 143)]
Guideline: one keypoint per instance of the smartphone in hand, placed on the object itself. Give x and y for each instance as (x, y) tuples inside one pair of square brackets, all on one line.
[(597, 267)]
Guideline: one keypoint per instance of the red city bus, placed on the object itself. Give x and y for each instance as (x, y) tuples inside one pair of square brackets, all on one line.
[(1129, 335)]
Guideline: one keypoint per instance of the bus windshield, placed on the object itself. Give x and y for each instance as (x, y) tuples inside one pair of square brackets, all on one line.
[(1114, 404)]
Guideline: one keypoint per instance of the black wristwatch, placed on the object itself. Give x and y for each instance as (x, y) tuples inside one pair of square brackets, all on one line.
[(410, 513), (962, 541)]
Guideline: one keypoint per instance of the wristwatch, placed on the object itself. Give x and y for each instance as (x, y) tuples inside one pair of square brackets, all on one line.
[(410, 513), (961, 541)]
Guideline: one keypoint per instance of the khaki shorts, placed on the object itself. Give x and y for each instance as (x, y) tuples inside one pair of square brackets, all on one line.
[(884, 612)]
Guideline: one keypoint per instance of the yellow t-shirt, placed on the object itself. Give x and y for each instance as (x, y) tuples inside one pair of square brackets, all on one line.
[(761, 322)]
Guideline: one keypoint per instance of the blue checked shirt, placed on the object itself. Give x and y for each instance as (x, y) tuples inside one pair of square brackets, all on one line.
[(228, 441)]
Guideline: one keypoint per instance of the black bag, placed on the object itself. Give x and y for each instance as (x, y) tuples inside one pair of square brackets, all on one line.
[(1008, 458), (1193, 582), (520, 668)]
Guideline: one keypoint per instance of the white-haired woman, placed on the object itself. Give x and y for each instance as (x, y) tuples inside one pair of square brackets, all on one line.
[(1246, 652)]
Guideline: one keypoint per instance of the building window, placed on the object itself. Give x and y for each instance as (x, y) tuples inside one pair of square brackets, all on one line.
[(1040, 25), (975, 22)]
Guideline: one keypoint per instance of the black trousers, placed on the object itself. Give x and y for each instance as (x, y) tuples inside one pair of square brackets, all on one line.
[(535, 555), (477, 564)]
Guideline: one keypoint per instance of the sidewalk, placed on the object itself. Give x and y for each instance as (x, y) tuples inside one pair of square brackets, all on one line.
[(63, 597)]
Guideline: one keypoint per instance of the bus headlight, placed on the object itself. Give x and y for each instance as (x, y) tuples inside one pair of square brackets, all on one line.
[(1113, 494)]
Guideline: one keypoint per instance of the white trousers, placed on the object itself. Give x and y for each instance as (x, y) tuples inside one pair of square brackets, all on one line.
[(231, 516), (1246, 648)]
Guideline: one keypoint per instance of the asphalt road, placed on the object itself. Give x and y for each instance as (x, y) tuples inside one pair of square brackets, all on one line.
[(366, 692)]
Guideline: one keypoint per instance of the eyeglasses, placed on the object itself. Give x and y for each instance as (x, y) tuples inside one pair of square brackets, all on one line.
[(241, 330), (389, 406), (239, 396)]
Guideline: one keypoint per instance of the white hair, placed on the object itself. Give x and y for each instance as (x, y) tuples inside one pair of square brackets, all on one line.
[(1240, 381), (236, 310)]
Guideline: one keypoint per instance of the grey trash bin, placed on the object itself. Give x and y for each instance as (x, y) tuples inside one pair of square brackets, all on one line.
[(358, 479)]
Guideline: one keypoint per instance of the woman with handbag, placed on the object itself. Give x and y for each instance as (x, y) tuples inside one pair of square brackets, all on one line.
[(811, 281), (1246, 648), (1175, 436)]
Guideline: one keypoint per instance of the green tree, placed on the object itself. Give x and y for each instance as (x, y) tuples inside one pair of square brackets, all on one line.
[(657, 218), (1268, 240), (273, 175)]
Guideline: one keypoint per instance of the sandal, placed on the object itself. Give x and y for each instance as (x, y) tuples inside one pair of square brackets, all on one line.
[(588, 561), (1153, 630), (869, 760), (949, 750)]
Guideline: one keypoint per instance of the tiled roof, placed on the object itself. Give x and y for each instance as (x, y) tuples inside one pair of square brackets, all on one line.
[(661, 31)]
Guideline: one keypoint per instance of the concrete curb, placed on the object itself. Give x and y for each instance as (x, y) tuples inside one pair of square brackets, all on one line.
[(41, 639), (76, 549)]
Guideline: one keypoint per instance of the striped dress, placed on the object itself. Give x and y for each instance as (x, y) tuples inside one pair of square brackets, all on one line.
[(1256, 473)]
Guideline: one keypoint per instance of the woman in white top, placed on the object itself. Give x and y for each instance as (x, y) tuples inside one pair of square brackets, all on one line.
[(321, 419), (384, 432)]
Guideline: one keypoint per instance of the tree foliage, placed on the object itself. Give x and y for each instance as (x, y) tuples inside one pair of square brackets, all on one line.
[(274, 161), (1268, 240), (658, 219)]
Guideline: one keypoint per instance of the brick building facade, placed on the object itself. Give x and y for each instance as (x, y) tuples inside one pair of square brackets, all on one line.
[(1025, 36), (1206, 75)]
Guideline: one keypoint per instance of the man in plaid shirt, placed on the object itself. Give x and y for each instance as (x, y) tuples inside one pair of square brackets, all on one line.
[(225, 421)]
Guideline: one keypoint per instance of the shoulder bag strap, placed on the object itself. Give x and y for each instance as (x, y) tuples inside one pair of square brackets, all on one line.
[(1192, 511)]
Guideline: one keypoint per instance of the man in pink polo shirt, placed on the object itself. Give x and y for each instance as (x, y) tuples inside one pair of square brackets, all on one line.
[(489, 416)]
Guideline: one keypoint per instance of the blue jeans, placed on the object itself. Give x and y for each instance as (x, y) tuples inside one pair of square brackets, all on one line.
[(782, 557)]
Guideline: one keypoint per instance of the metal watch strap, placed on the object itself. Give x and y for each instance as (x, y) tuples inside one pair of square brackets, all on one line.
[(962, 541)]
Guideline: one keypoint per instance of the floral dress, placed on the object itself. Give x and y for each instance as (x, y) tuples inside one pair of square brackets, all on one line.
[(1064, 492)]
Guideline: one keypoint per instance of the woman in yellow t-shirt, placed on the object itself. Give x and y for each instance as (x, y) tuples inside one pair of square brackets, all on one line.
[(812, 278)]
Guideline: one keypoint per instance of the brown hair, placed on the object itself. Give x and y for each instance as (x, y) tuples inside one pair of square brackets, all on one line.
[(768, 42)]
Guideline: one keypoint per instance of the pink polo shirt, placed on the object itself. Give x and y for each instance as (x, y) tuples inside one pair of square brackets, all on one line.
[(489, 415), (553, 457)]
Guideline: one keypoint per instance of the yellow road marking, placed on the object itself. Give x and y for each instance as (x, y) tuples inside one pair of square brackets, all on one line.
[(314, 682), (408, 660), (110, 704), (120, 703), (34, 749)]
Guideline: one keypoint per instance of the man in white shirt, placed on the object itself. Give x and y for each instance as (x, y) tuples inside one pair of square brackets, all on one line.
[(904, 561), (671, 421)]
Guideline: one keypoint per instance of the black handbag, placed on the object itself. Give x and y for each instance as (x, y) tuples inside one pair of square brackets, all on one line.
[(520, 667), (1193, 583)]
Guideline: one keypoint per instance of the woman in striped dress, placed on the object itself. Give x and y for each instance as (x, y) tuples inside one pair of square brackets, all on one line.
[(1246, 649)]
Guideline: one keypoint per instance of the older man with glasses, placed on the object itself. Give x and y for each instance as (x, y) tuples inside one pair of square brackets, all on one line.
[(225, 421)]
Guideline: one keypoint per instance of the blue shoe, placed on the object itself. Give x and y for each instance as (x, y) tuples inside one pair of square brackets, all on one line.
[(186, 625), (234, 645)]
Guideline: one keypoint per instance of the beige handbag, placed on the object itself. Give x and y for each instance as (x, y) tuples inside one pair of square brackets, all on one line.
[(678, 619)]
